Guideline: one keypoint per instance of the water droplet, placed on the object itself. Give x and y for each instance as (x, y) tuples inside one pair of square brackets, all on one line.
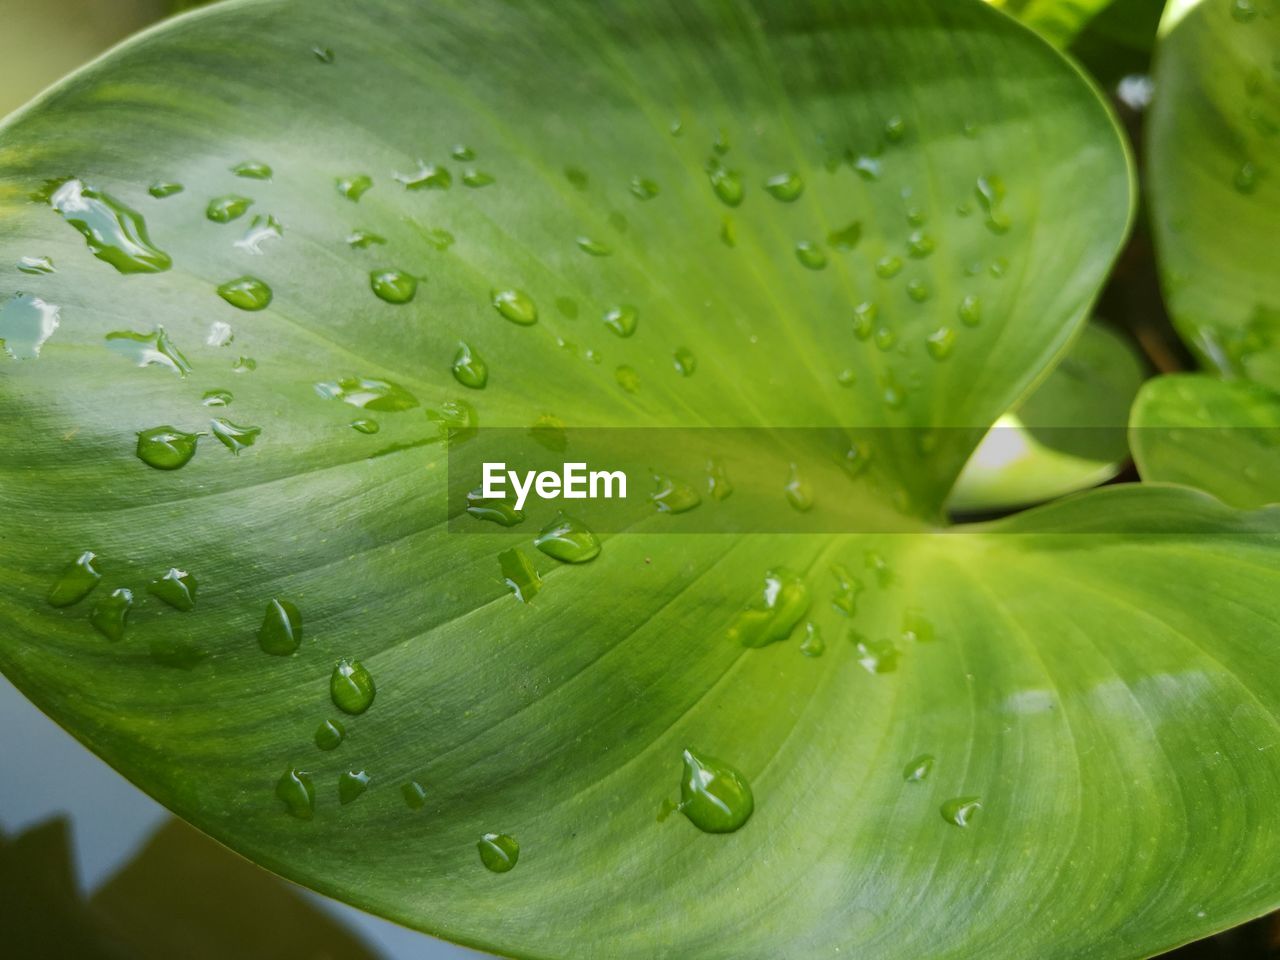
[(76, 581), (877, 564), (718, 483), (888, 266), (519, 575), (848, 587), (351, 687), (351, 784), (330, 734), (381, 396), (868, 168), (999, 267), (247, 293), (476, 178), (294, 788), (516, 305), (244, 365), (811, 255), (493, 509), (918, 290), (916, 217), (864, 318), (920, 244), (469, 368), (671, 496), (627, 378), (970, 311), (1243, 11), (1246, 178), (261, 229), (918, 768), (364, 239), (941, 343), (111, 613), (856, 459), (216, 398), (726, 183), (846, 238), (175, 587), (220, 334), (916, 627), (149, 349), (577, 177), (622, 319), (323, 54), (162, 188), (498, 852), (990, 192), (685, 361), (643, 188), (228, 208), (35, 265), (798, 492), (728, 233), (886, 338), (713, 795), (875, 656), (415, 795), (115, 233), (895, 128), (428, 176), (281, 630), (960, 810), (365, 426), (252, 170), (26, 324), (568, 540), (457, 420), (354, 187), (812, 645), (393, 286), (774, 614), (594, 248), (786, 187), (166, 448)]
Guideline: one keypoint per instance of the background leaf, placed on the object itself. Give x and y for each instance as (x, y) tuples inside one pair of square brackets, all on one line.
[(1059, 21)]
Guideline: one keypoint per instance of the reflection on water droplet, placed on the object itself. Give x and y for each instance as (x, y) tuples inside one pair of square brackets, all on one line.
[(798, 492), (846, 238), (493, 509), (149, 349), (643, 188), (811, 255), (916, 627), (714, 796), (875, 656), (161, 189), (671, 496), (895, 128), (595, 248), (920, 244), (76, 581), (247, 293), (351, 687), (26, 324), (476, 178), (323, 54), (35, 265), (990, 193), (685, 362), (728, 233), (364, 239), (469, 368), (727, 184), (351, 784), (355, 186), (115, 233), (864, 318), (918, 291), (568, 540), (1246, 178), (888, 266), (393, 286), (252, 170), (519, 575), (111, 613), (226, 209), (216, 398), (885, 339), (175, 587), (786, 187), (281, 630), (774, 614), (918, 768), (812, 645), (220, 334), (166, 448), (848, 587), (970, 311), (381, 396), (718, 483), (244, 365), (960, 810), (868, 168), (261, 229), (415, 795), (330, 734), (428, 176), (941, 343), (627, 378), (516, 305), (457, 420), (1243, 11), (294, 788), (877, 564), (498, 852), (622, 319)]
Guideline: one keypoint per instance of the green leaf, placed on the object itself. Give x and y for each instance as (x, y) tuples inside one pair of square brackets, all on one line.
[(1215, 180), (1223, 437), (1068, 435), (1059, 21)]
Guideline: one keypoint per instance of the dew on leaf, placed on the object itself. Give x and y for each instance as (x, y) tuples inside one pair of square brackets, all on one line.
[(216, 398), (920, 244), (786, 187), (252, 170), (685, 361), (76, 581), (864, 319), (918, 768), (970, 311), (330, 734), (848, 587), (888, 266), (298, 794), (476, 178), (592, 247), (846, 238), (35, 265), (220, 334), (460, 151), (875, 656), (797, 490), (323, 54), (457, 419), (351, 784), (516, 306), (166, 447), (812, 645), (568, 540), (365, 425), (895, 128), (916, 627), (414, 794), (261, 229), (115, 233), (364, 239), (164, 188), (714, 796), (941, 343), (519, 575), (811, 255), (990, 193), (355, 186), (718, 483), (643, 188), (111, 613), (868, 168), (493, 509), (228, 208), (727, 184), (847, 377), (381, 396), (428, 176), (26, 324), (672, 496), (244, 365), (886, 338), (351, 687), (1244, 11), (246, 293), (728, 232), (149, 349), (393, 286), (175, 587), (622, 319), (960, 811), (498, 852), (1246, 178), (918, 291), (281, 630), (469, 368), (627, 378), (774, 613)]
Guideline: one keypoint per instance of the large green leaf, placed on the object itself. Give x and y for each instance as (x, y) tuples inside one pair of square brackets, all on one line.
[(1058, 20), (1214, 161), (1060, 667)]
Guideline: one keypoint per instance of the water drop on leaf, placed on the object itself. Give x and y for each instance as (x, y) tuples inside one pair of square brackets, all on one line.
[(246, 293), (568, 540), (713, 795), (294, 788), (111, 613), (166, 447), (76, 581), (175, 587), (498, 852), (960, 810), (351, 687), (281, 630)]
